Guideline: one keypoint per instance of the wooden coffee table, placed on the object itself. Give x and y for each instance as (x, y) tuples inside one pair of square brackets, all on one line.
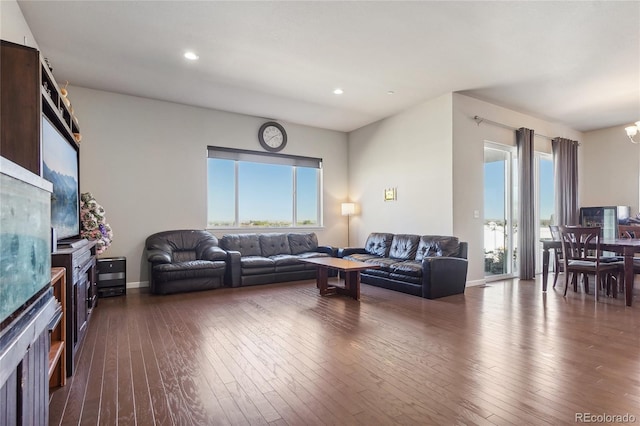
[(351, 271)]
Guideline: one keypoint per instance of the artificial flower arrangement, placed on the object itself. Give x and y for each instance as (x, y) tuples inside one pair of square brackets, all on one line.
[(94, 227)]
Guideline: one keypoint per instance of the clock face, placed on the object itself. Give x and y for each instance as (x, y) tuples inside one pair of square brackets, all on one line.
[(272, 136)]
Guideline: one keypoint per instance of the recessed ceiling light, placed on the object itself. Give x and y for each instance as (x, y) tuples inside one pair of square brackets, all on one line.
[(390, 92), (338, 91), (191, 56)]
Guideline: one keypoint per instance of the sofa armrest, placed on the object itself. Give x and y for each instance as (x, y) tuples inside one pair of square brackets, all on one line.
[(213, 253), (156, 256), (348, 251), (464, 248), (233, 274), (331, 251), (443, 276)]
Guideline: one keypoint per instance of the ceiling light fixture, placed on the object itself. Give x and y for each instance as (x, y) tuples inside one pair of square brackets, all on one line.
[(191, 56), (632, 131), (390, 92), (338, 91)]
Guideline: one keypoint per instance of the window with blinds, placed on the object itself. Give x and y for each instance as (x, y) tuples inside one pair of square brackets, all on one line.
[(248, 189)]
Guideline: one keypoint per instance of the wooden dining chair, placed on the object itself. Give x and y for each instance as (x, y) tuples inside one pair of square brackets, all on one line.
[(583, 256), (629, 231), (558, 265)]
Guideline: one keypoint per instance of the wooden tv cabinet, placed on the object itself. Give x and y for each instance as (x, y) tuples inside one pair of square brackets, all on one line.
[(81, 294)]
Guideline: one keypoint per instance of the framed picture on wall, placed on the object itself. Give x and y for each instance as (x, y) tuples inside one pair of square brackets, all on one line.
[(390, 194)]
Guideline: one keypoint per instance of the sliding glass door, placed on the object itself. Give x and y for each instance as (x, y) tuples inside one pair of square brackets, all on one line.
[(500, 214), (500, 208)]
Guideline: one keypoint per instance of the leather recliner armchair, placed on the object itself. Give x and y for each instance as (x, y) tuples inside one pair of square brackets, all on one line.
[(185, 260)]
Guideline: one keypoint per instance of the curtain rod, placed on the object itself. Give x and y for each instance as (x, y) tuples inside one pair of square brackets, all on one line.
[(479, 120)]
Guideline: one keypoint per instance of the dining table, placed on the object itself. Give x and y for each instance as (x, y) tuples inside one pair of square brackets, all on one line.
[(627, 247)]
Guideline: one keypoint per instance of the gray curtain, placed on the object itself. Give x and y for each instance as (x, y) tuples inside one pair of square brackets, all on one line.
[(526, 205), (565, 167)]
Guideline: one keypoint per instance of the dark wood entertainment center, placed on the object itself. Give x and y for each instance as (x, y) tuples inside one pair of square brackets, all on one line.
[(27, 92), (81, 293)]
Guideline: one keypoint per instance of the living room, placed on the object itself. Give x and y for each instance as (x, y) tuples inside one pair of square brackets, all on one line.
[(145, 161), (437, 136)]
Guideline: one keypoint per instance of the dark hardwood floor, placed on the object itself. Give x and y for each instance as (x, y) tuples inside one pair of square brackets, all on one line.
[(502, 354)]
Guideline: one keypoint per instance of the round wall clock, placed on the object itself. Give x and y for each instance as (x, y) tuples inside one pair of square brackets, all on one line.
[(272, 136)]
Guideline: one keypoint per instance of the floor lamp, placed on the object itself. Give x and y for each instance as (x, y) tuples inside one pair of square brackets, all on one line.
[(347, 210)]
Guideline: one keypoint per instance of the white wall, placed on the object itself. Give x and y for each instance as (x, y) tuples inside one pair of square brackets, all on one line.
[(468, 160), (145, 161), (611, 169), (434, 154), (412, 152), (13, 26)]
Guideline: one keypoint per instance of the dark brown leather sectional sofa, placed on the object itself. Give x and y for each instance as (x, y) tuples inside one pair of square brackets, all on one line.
[(428, 266)]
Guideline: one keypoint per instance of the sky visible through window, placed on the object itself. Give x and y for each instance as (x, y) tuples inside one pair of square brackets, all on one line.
[(546, 189), (494, 183), (494, 190), (307, 185), (265, 193)]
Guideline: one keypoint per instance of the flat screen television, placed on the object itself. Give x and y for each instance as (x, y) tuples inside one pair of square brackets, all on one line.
[(60, 166)]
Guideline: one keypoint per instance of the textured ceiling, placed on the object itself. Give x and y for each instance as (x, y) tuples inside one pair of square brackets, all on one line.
[(576, 63)]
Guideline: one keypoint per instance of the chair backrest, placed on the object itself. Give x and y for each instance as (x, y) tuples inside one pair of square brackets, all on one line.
[(555, 236), (182, 245), (629, 231), (581, 243)]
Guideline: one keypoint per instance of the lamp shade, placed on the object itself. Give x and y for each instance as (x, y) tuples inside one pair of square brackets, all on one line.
[(348, 209)]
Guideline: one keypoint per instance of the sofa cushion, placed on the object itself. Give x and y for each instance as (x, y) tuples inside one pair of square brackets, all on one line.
[(360, 257), (405, 278), (302, 243), (384, 263), (256, 262), (409, 268), (404, 246), (178, 256), (285, 259), (273, 244), (377, 272), (288, 263), (187, 270), (257, 265), (311, 254), (437, 245), (379, 244), (246, 244)]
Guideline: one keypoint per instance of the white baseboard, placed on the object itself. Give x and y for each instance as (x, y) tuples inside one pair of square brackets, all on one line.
[(137, 284), (476, 282)]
